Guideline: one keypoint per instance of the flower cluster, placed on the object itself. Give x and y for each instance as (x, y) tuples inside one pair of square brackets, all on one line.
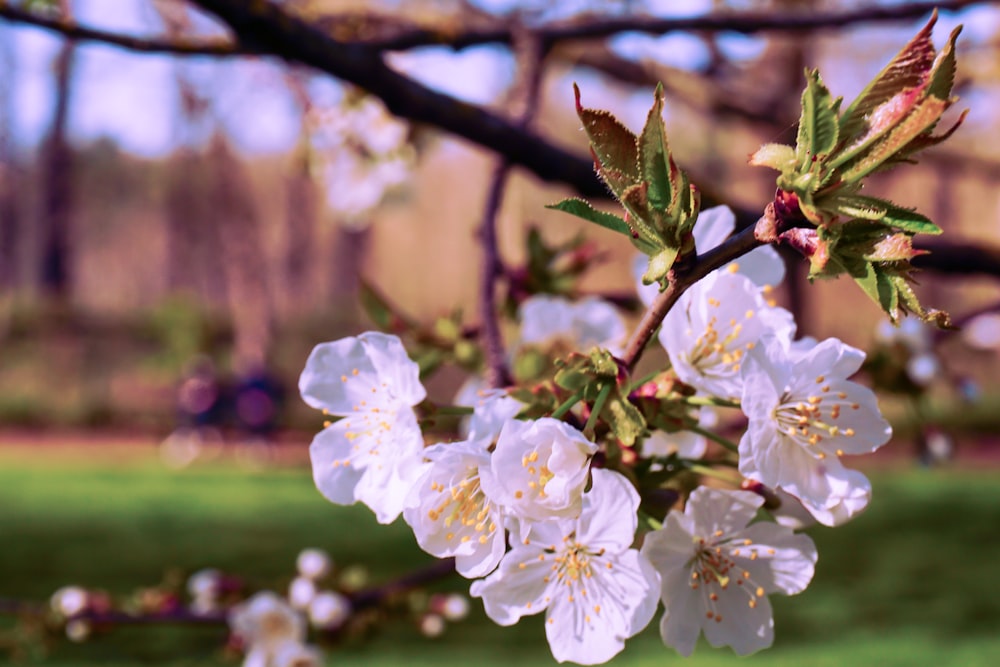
[(362, 153), (543, 513)]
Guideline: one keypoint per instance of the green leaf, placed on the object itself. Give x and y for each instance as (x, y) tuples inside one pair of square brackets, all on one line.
[(378, 309), (659, 265), (923, 116), (585, 211), (818, 126), (942, 77), (614, 146), (905, 70), (776, 156), (654, 156), (874, 209)]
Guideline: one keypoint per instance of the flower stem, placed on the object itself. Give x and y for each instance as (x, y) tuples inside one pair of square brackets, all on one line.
[(567, 405), (595, 411), (711, 401), (712, 472), (716, 438)]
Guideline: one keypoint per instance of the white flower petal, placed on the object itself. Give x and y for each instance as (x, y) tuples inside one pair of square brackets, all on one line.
[(518, 587), (741, 627)]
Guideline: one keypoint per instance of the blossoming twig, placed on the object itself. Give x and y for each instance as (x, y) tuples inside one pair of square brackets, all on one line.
[(684, 276)]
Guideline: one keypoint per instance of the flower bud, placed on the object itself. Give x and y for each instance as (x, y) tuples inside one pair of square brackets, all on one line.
[(69, 600), (432, 625), (301, 593), (329, 610), (314, 564)]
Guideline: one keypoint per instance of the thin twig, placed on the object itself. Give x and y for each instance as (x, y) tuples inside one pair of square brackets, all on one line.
[(72, 30), (497, 373), (396, 36)]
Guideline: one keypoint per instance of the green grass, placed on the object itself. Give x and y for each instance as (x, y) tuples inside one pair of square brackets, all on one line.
[(912, 582)]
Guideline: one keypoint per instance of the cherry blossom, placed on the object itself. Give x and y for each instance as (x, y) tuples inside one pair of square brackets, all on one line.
[(803, 416), (375, 452), (579, 326), (713, 325), (716, 571), (595, 590), (449, 513), (538, 469)]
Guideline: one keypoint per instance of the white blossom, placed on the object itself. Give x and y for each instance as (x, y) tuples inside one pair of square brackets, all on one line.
[(804, 414), (492, 408), (538, 469), (716, 571), (713, 325), (595, 590), (375, 452), (69, 600), (449, 513), (579, 326), (301, 592), (265, 623)]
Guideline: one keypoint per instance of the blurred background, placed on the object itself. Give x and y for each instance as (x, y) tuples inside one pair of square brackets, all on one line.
[(178, 231)]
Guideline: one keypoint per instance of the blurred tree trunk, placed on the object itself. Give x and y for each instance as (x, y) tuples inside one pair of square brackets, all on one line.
[(194, 246), (301, 230), (243, 256), (57, 173), (10, 178)]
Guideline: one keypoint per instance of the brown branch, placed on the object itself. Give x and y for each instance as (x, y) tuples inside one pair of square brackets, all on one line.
[(389, 35), (532, 71), (739, 22), (958, 258), (73, 30), (271, 29)]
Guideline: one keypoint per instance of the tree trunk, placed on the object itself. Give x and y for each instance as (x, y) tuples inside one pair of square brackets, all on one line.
[(242, 256), (57, 208)]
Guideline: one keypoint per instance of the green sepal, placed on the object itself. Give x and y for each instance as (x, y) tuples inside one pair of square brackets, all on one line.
[(625, 420), (659, 265)]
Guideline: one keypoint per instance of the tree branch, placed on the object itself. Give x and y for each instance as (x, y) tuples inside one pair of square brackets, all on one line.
[(739, 22), (389, 35), (532, 72), (140, 44)]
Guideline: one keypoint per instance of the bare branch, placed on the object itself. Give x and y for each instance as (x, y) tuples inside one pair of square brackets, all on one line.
[(588, 28), (532, 71), (71, 30)]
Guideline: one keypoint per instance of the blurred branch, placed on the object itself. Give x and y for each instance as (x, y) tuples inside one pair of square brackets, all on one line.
[(175, 46), (587, 28), (529, 87), (386, 34), (271, 29), (957, 258)]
